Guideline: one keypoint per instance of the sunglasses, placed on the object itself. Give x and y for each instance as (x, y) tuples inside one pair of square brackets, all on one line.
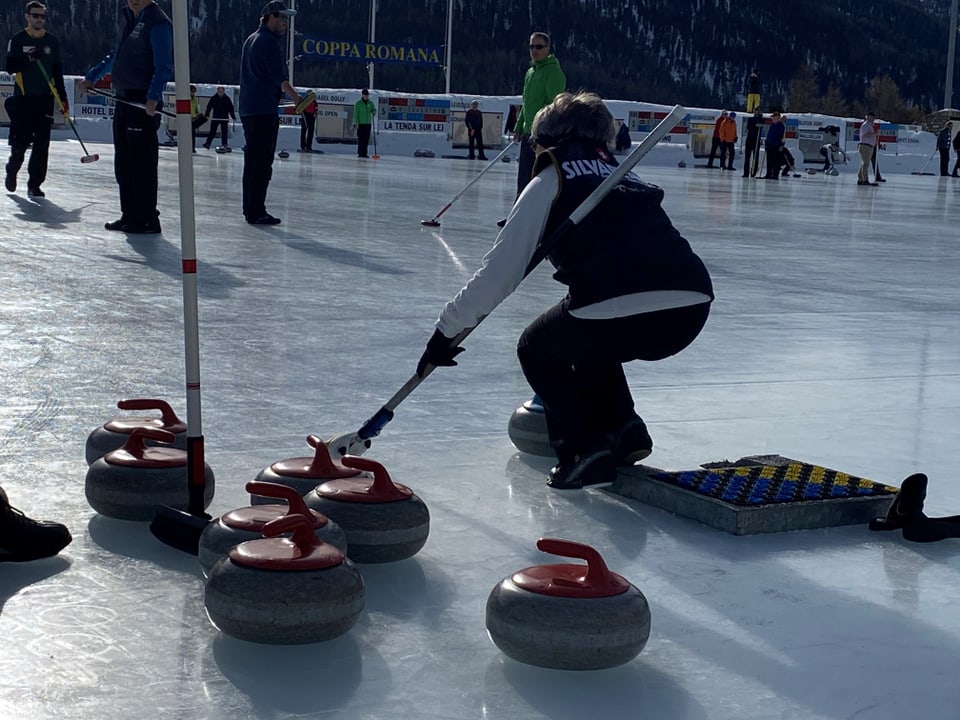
[(538, 46), (281, 16), (37, 16)]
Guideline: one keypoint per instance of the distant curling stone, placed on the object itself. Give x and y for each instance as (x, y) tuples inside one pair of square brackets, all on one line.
[(568, 617), (303, 474), (243, 524), (283, 154), (682, 164), (130, 482), (284, 591), (527, 429), (114, 433), (383, 521)]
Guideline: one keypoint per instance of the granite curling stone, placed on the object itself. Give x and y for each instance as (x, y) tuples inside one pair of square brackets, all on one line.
[(114, 433), (527, 429), (568, 617), (247, 523), (384, 521), (130, 482), (284, 591), (303, 474)]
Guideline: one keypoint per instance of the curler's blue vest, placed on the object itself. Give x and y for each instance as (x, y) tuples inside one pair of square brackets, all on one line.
[(626, 244)]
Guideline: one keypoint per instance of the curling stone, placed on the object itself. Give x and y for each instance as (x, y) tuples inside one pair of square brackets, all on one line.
[(283, 154), (682, 164), (247, 523), (568, 617), (303, 474), (114, 433), (220, 150), (384, 521), (284, 591), (130, 482), (527, 429)]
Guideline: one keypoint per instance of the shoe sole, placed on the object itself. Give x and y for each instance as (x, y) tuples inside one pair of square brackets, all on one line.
[(634, 457)]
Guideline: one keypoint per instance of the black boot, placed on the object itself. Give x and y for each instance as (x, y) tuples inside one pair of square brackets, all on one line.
[(22, 538), (907, 504)]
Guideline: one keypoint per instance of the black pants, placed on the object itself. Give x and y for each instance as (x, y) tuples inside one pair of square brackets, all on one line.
[(575, 366), (195, 125), (136, 155), (714, 148), (215, 125), (307, 124), (774, 161), (477, 137), (726, 155), (260, 137), (751, 153), (363, 139), (525, 164), (956, 165), (944, 161), (32, 124)]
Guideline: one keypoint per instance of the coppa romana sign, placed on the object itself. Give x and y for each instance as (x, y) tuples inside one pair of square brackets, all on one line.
[(371, 52)]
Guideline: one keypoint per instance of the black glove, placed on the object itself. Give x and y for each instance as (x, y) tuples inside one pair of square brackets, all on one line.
[(440, 352)]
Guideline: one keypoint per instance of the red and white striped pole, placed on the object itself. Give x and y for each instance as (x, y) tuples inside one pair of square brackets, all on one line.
[(188, 251)]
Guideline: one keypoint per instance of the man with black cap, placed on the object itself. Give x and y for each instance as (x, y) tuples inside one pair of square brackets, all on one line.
[(140, 67), (263, 81)]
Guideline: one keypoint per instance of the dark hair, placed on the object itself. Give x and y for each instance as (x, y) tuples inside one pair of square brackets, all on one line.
[(33, 4)]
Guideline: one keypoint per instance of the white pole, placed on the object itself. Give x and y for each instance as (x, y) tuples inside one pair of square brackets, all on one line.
[(951, 56), (373, 39), (291, 39), (188, 252), (449, 41)]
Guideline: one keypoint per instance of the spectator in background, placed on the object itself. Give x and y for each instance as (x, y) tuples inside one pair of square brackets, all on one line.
[(751, 148), (363, 112), (715, 140), (33, 58), (773, 146), (263, 81), (140, 67), (543, 81), (753, 92), (943, 147), (473, 119), (867, 147), (728, 139), (956, 149), (623, 138), (196, 117), (219, 110), (308, 123)]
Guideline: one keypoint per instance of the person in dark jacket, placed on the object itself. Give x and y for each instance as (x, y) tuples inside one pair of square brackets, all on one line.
[(139, 67), (635, 291), (623, 138), (33, 56), (263, 81), (473, 119), (715, 140), (943, 147), (751, 147), (772, 146), (219, 110), (956, 149)]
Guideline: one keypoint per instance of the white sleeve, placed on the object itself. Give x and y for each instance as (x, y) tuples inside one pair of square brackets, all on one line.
[(503, 266)]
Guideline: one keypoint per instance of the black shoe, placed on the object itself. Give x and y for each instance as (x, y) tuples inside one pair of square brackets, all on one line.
[(482, 157), (907, 504), (733, 169), (471, 157), (880, 180), (592, 468), (265, 219), (147, 228), (501, 223), (35, 192), (632, 443), (23, 539), (116, 225), (862, 182), (206, 146), (11, 182)]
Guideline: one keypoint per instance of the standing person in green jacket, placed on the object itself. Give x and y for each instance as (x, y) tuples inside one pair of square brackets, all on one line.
[(33, 55), (363, 112), (542, 83)]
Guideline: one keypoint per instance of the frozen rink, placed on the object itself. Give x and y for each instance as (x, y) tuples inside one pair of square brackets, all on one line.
[(834, 340)]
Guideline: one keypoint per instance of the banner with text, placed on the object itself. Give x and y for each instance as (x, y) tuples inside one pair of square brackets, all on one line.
[(348, 50)]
